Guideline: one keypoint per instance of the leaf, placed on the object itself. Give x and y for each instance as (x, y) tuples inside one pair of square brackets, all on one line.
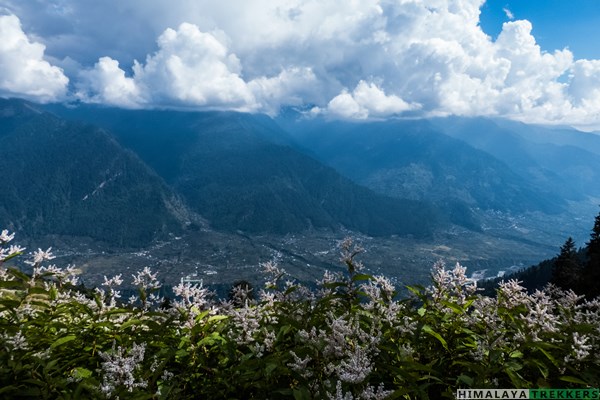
[(130, 323), (516, 354), (416, 290), (63, 340), (270, 368), (549, 356), (454, 307), (7, 389), (216, 318), (573, 379), (361, 277), (302, 393), (11, 284), (33, 381), (81, 372), (181, 353), (429, 330), (466, 379), (12, 255)]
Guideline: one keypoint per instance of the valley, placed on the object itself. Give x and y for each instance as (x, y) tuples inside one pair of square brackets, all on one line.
[(208, 196), (218, 259)]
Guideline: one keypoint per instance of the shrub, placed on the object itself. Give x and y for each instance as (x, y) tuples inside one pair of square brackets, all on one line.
[(351, 338)]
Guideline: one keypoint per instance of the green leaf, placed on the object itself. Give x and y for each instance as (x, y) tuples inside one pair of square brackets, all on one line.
[(429, 330), (516, 354), (549, 356), (416, 290), (454, 307), (63, 340), (270, 368), (13, 255), (361, 277), (36, 382), (573, 379), (302, 393), (466, 379), (11, 284), (81, 372), (130, 323), (8, 389), (215, 318)]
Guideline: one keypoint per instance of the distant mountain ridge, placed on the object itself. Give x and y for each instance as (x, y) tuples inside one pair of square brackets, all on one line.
[(563, 161), (233, 169), (415, 159)]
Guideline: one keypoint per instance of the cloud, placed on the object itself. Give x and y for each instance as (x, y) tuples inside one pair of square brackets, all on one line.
[(194, 68), (190, 69), (508, 13), (368, 59), (367, 101), (290, 87), (106, 83), (23, 70)]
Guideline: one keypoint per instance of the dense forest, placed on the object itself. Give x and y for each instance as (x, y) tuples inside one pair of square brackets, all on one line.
[(576, 269)]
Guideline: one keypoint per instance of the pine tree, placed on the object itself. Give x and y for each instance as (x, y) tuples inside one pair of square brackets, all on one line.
[(591, 273), (594, 243), (567, 270)]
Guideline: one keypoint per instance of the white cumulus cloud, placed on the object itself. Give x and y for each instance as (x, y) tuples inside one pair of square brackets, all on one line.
[(106, 83), (367, 100), (23, 70), (365, 59), (194, 67)]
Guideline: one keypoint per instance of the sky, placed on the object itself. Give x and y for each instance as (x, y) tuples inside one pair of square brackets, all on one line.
[(533, 61)]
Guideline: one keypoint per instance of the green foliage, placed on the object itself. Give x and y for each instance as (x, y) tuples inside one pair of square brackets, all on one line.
[(567, 271), (592, 267), (352, 338)]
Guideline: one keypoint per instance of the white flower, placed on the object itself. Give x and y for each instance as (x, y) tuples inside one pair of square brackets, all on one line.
[(192, 295), (16, 342), (112, 282), (40, 256), (10, 252), (118, 369), (581, 347), (300, 365), (5, 237), (356, 368), (146, 279)]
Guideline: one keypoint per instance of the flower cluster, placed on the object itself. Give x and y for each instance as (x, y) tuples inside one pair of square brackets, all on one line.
[(351, 337)]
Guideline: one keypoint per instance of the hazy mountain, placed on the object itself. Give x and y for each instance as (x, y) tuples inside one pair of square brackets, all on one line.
[(239, 172), (412, 159), (563, 161), (68, 178)]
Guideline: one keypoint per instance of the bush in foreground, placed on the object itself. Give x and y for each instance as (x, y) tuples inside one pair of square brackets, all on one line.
[(352, 338)]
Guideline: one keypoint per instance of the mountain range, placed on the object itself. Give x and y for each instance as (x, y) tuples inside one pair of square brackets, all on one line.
[(127, 177)]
